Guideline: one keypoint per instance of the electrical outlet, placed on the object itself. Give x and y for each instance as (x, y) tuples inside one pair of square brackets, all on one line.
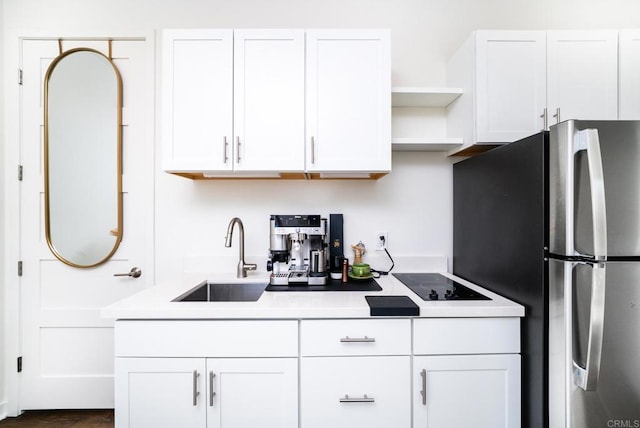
[(382, 240)]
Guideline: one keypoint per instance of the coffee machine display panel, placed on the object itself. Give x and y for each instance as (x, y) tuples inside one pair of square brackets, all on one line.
[(297, 250)]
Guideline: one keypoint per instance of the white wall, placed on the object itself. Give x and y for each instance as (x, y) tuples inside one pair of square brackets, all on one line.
[(424, 32), (413, 203)]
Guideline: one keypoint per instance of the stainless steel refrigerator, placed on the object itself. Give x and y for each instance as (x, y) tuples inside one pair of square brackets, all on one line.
[(553, 222)]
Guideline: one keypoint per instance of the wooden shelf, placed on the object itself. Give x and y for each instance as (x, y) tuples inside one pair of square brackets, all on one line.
[(405, 96), (425, 145), (472, 149)]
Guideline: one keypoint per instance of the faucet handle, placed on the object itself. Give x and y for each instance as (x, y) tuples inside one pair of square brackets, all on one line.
[(244, 267)]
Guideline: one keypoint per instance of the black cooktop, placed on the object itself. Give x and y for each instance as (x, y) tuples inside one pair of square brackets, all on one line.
[(433, 286)]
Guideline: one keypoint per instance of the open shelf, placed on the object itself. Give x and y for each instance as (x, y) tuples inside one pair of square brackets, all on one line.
[(425, 145), (407, 96)]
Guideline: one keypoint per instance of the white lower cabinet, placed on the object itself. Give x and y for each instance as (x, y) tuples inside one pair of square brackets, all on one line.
[(206, 373), (355, 373), (466, 373), (252, 392), (212, 393), (159, 392), (480, 391), (355, 392), (400, 373)]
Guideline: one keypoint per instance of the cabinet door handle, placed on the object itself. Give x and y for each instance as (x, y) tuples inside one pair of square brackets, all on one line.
[(543, 116), (225, 146), (238, 149), (364, 399), (557, 115), (313, 150), (365, 339), (423, 374), (195, 387), (212, 392)]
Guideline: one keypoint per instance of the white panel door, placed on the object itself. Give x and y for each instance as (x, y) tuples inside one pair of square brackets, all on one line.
[(160, 393), (348, 100), (268, 100), (511, 84), (252, 392), (582, 75), (66, 347), (629, 75), (350, 392), (197, 100), (480, 391)]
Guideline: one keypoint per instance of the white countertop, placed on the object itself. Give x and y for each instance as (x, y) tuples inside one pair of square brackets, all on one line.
[(156, 303)]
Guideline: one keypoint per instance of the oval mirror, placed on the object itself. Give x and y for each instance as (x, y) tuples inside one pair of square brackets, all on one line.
[(82, 157)]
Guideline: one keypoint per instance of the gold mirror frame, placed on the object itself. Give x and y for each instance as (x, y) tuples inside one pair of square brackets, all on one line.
[(68, 217)]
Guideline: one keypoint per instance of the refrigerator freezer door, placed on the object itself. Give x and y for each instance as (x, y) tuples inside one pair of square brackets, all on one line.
[(614, 398), (594, 189)]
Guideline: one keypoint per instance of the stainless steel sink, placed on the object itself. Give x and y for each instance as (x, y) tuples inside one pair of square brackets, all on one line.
[(223, 292)]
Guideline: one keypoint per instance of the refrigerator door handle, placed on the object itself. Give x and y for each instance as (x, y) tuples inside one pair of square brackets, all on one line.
[(589, 140), (587, 377)]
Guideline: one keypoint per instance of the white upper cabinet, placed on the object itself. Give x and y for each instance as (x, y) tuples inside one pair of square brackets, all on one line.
[(582, 75), (268, 100), (629, 92), (510, 82), (517, 83), (348, 101), (234, 102), (197, 99), (503, 76)]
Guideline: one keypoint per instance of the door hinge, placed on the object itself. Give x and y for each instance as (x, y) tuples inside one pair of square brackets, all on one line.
[(19, 172), (19, 76), (20, 268), (19, 364)]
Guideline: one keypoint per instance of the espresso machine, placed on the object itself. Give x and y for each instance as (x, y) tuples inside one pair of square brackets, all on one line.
[(297, 251)]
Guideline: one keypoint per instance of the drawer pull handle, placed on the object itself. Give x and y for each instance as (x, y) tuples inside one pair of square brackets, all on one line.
[(195, 387), (364, 399), (365, 339), (423, 374)]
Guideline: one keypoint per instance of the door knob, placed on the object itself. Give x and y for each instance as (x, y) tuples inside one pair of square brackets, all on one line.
[(134, 272)]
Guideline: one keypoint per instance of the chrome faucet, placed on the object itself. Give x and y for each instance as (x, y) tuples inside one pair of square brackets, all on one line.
[(242, 266)]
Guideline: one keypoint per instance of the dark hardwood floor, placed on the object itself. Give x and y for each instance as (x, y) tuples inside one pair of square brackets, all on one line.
[(61, 419)]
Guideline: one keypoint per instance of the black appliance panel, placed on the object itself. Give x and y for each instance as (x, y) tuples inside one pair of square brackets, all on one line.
[(433, 286), (500, 232)]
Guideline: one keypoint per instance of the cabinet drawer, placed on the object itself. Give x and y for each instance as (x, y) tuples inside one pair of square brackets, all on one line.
[(189, 338), (437, 336), (355, 337), (355, 392)]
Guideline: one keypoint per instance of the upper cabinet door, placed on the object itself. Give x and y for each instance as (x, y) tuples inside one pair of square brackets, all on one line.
[(268, 100), (197, 91), (629, 92), (582, 77), (511, 84), (348, 100)]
